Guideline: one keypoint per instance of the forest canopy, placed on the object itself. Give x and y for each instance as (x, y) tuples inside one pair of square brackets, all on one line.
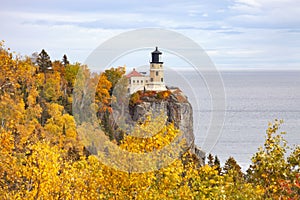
[(43, 157)]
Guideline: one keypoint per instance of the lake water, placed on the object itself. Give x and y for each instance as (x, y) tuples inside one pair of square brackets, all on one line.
[(253, 98)]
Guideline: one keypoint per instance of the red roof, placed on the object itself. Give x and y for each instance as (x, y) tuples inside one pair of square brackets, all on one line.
[(133, 74)]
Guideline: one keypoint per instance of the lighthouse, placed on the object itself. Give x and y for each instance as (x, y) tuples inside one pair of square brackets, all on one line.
[(156, 81)]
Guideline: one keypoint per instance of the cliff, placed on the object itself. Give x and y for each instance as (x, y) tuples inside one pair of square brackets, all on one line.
[(175, 105)]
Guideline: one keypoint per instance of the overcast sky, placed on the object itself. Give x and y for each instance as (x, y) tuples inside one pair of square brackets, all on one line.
[(236, 34)]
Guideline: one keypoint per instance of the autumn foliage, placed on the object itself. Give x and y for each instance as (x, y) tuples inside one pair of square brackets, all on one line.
[(139, 96), (42, 155)]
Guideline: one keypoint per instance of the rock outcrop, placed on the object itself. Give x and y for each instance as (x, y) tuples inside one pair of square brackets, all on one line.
[(178, 110)]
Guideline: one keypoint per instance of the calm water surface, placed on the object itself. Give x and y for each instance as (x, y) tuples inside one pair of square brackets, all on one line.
[(253, 98)]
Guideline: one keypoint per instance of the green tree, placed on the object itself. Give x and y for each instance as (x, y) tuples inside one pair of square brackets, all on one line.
[(114, 75), (217, 164), (44, 61), (210, 159), (71, 72), (65, 60)]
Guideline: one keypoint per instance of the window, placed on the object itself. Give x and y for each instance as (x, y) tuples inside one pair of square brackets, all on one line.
[(151, 80), (156, 73), (146, 81), (129, 81), (162, 79), (141, 81), (137, 81), (133, 81)]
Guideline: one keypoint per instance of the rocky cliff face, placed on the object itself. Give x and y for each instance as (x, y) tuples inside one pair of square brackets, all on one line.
[(178, 110)]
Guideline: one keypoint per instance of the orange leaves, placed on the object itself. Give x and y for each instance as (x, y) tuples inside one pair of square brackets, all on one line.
[(102, 96), (138, 96), (163, 94), (38, 136)]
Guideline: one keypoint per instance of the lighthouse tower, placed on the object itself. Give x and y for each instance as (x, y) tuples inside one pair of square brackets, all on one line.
[(156, 81)]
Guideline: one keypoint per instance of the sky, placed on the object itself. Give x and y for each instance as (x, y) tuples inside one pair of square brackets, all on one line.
[(236, 34)]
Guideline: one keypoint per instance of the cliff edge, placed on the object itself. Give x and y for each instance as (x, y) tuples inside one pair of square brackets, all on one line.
[(175, 105)]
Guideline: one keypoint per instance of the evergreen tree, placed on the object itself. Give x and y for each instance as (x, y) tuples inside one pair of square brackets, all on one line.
[(217, 164), (44, 61), (232, 168), (65, 60), (210, 159), (231, 164)]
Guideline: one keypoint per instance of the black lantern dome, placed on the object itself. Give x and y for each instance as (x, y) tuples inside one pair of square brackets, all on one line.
[(156, 56)]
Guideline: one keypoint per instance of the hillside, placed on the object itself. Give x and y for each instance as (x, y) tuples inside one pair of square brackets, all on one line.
[(48, 152)]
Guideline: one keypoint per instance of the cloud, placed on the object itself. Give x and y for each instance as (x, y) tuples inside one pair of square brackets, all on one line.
[(236, 32), (271, 14), (109, 20)]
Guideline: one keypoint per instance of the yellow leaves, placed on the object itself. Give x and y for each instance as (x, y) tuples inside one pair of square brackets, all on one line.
[(6, 142), (35, 160), (40, 79), (151, 135), (102, 96), (259, 189), (41, 169), (60, 126), (55, 110), (33, 94), (70, 126), (52, 87), (70, 73), (35, 175), (11, 111), (208, 170), (270, 165)]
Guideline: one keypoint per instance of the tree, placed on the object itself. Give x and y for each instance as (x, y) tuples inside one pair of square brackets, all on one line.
[(102, 96), (44, 159), (270, 167), (114, 75), (232, 171), (8, 81), (210, 160), (65, 60), (44, 61), (217, 164), (292, 186), (232, 165), (70, 74), (60, 127)]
